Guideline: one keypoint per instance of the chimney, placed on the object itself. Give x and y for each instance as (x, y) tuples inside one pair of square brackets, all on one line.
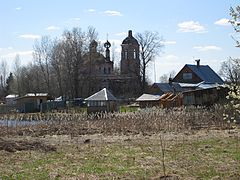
[(198, 62), (170, 80), (130, 33)]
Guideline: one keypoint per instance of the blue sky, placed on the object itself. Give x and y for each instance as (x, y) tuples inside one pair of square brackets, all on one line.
[(192, 29)]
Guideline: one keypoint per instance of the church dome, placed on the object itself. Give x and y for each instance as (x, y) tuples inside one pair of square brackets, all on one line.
[(130, 39)]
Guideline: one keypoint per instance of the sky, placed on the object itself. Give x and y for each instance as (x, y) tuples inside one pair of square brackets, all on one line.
[(191, 29)]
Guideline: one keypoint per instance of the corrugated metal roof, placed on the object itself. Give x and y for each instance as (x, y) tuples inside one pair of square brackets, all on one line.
[(189, 85), (201, 85), (207, 86), (103, 95), (166, 87), (148, 97), (205, 73)]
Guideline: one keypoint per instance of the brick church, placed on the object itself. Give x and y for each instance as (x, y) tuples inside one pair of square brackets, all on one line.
[(99, 70)]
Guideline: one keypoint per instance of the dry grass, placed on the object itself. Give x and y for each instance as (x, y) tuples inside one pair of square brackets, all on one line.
[(198, 154), (144, 122), (198, 145)]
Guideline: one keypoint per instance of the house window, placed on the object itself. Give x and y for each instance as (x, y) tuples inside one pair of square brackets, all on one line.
[(105, 71), (187, 76), (109, 70)]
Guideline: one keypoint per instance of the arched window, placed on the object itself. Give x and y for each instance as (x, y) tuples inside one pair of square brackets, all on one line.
[(134, 54), (126, 54)]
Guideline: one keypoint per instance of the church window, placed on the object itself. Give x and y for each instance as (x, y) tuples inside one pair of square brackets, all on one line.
[(134, 54), (126, 54)]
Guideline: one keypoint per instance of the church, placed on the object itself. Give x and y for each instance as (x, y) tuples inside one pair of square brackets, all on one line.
[(99, 71)]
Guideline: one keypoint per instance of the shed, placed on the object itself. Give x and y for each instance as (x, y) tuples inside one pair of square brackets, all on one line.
[(166, 100), (10, 99), (31, 102), (148, 100), (162, 88), (205, 95), (102, 101)]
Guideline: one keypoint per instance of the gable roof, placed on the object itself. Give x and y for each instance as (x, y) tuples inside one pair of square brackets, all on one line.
[(205, 73), (166, 87), (148, 97), (102, 95)]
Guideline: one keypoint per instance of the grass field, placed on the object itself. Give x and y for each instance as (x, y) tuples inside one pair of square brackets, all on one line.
[(184, 143), (202, 154)]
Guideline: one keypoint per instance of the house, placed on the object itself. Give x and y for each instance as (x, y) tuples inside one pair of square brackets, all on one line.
[(166, 100), (102, 101), (31, 102), (200, 84), (195, 74)]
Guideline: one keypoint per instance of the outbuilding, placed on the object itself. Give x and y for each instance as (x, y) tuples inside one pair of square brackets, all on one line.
[(102, 101), (31, 102)]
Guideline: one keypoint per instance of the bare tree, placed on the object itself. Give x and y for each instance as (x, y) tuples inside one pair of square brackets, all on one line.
[(230, 70), (17, 72), (42, 56), (235, 21), (150, 46), (165, 77), (3, 72)]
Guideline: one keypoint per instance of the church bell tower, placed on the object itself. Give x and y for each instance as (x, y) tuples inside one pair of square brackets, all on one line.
[(130, 62)]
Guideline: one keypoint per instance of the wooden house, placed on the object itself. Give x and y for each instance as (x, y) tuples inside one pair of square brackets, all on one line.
[(102, 101), (200, 85), (31, 102), (195, 74)]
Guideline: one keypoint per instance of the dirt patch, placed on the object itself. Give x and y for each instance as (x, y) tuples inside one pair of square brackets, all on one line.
[(25, 145)]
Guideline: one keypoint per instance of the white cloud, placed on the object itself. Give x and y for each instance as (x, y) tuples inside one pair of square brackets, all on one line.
[(91, 10), (20, 53), (207, 48), (223, 22), (52, 28), (112, 13), (121, 34), (4, 50), (73, 22), (191, 26), (30, 36), (76, 19), (18, 8), (170, 57), (169, 42)]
